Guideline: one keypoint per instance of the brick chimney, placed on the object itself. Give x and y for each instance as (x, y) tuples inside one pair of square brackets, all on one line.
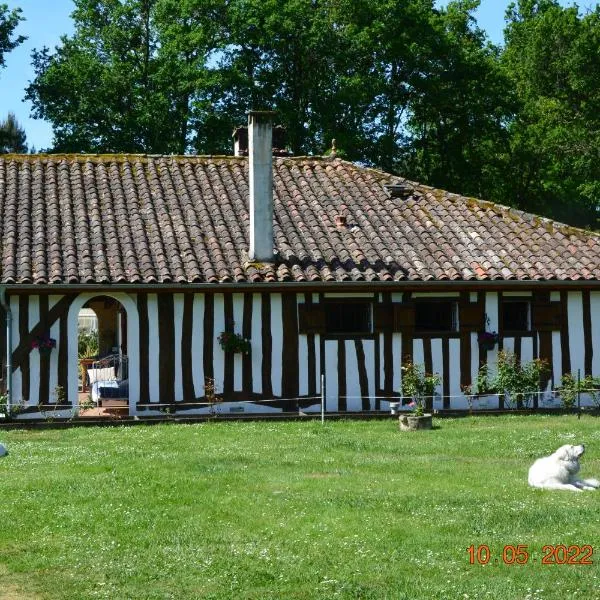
[(260, 145)]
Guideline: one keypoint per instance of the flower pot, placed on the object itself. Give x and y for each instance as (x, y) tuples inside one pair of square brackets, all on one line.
[(45, 351), (414, 423)]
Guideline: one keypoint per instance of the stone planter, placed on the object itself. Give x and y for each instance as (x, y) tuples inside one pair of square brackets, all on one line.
[(413, 423)]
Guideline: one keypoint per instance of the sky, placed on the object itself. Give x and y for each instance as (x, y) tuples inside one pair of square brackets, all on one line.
[(48, 20)]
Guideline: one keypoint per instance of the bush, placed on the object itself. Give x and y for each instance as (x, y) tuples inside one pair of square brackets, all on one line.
[(520, 380)]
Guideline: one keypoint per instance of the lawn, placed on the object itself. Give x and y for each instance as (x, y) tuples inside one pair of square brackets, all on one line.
[(351, 509)]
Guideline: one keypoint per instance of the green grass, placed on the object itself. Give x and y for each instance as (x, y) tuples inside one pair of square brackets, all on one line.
[(292, 510)]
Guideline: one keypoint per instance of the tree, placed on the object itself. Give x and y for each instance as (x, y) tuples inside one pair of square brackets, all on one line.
[(553, 61), (123, 82), (12, 136), (8, 22), (458, 121)]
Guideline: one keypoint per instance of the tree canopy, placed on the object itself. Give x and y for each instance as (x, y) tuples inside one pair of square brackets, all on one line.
[(9, 19), (401, 85), (12, 136)]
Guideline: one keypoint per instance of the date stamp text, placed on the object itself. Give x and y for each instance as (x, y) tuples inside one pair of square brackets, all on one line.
[(521, 554)]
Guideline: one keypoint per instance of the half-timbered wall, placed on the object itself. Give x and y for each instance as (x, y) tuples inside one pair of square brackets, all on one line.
[(173, 347)]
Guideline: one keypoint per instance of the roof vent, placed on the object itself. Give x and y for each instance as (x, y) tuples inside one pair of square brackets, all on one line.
[(340, 220), (399, 190)]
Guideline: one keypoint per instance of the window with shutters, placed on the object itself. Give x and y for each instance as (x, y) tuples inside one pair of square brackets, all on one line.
[(439, 316), (516, 315), (348, 318)]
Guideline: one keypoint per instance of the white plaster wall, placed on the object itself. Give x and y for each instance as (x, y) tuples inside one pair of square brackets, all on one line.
[(198, 344), (556, 358), (17, 377), (178, 300), (595, 310), (218, 353), (276, 343), (153, 349), (34, 355), (331, 369), (353, 400), (491, 310), (303, 365), (454, 374), (54, 333), (257, 355), (576, 337), (238, 319), (527, 349)]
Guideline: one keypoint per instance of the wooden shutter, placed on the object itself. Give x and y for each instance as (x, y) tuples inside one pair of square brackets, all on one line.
[(547, 316), (311, 318), (471, 316), (404, 317), (383, 318)]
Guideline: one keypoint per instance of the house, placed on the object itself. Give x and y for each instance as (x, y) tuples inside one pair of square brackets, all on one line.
[(342, 271)]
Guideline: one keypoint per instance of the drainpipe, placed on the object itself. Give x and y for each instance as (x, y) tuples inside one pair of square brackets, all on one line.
[(5, 305)]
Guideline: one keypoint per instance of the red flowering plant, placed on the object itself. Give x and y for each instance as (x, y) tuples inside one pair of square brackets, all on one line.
[(43, 343), (233, 342)]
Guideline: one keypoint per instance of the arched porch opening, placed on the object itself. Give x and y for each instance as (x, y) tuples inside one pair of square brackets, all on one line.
[(103, 376)]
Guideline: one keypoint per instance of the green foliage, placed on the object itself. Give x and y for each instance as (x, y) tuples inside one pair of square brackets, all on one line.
[(6, 410), (123, 81), (551, 57), (520, 380), (9, 19), (234, 342), (482, 384), (419, 386), (570, 389), (87, 344), (12, 136)]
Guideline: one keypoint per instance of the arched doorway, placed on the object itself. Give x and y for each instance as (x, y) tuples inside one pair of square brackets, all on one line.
[(109, 376)]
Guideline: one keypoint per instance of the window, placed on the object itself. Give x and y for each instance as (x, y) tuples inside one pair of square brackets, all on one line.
[(438, 316), (349, 318), (516, 315)]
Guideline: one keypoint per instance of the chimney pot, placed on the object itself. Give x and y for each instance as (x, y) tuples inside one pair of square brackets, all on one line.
[(399, 190)]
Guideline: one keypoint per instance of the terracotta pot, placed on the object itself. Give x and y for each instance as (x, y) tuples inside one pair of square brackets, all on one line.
[(413, 423)]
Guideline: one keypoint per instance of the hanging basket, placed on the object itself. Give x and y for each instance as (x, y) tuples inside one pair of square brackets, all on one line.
[(487, 341), (487, 345)]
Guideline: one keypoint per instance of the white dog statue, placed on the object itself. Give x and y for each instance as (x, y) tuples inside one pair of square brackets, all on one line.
[(3, 450), (559, 471)]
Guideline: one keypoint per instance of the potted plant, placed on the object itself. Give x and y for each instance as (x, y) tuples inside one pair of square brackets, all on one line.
[(519, 381), (233, 342), (418, 387), (44, 343)]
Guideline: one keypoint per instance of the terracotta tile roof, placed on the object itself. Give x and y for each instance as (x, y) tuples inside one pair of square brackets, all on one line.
[(140, 219)]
